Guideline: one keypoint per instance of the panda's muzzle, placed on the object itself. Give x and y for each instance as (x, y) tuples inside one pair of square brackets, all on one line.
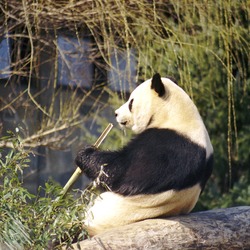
[(123, 123)]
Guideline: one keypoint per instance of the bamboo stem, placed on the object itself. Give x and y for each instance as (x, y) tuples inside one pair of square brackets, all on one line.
[(78, 171)]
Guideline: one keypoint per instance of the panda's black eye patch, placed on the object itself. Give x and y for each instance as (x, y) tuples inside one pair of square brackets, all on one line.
[(130, 105)]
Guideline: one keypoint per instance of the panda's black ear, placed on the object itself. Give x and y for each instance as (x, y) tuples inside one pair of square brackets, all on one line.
[(157, 85)]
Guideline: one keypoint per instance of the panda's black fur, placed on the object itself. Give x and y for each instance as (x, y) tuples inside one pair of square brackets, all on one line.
[(156, 160)]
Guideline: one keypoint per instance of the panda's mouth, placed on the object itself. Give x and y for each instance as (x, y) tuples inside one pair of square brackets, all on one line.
[(123, 123)]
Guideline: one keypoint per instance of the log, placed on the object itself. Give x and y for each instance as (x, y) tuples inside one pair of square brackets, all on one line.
[(227, 228)]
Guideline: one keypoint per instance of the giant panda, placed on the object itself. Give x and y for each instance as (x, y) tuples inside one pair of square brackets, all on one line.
[(162, 170)]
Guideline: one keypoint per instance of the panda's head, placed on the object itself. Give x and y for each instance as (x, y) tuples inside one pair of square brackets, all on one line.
[(161, 103), (138, 112), (157, 102)]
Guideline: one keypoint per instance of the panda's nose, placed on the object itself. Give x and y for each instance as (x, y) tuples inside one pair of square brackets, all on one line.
[(124, 123)]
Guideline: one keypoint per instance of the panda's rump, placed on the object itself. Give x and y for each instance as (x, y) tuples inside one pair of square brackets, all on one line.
[(112, 210)]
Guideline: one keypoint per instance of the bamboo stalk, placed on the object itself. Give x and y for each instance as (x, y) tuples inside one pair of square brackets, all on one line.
[(78, 171)]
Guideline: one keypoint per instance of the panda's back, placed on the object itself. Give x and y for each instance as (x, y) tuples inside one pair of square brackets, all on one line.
[(159, 160)]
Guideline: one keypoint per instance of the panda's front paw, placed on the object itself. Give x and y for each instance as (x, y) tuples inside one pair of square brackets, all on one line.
[(83, 157)]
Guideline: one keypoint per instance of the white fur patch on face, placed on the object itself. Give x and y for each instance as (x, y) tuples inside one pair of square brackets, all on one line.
[(111, 210), (137, 115)]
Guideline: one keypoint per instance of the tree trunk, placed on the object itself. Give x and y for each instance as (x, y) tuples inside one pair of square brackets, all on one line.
[(215, 229)]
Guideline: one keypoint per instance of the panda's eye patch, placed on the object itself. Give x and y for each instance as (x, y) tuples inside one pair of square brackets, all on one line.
[(130, 104)]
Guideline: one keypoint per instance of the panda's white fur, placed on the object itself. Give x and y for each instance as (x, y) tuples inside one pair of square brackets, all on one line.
[(111, 210), (146, 109)]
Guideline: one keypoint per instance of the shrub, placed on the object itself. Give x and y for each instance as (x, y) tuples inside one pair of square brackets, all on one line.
[(29, 221)]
